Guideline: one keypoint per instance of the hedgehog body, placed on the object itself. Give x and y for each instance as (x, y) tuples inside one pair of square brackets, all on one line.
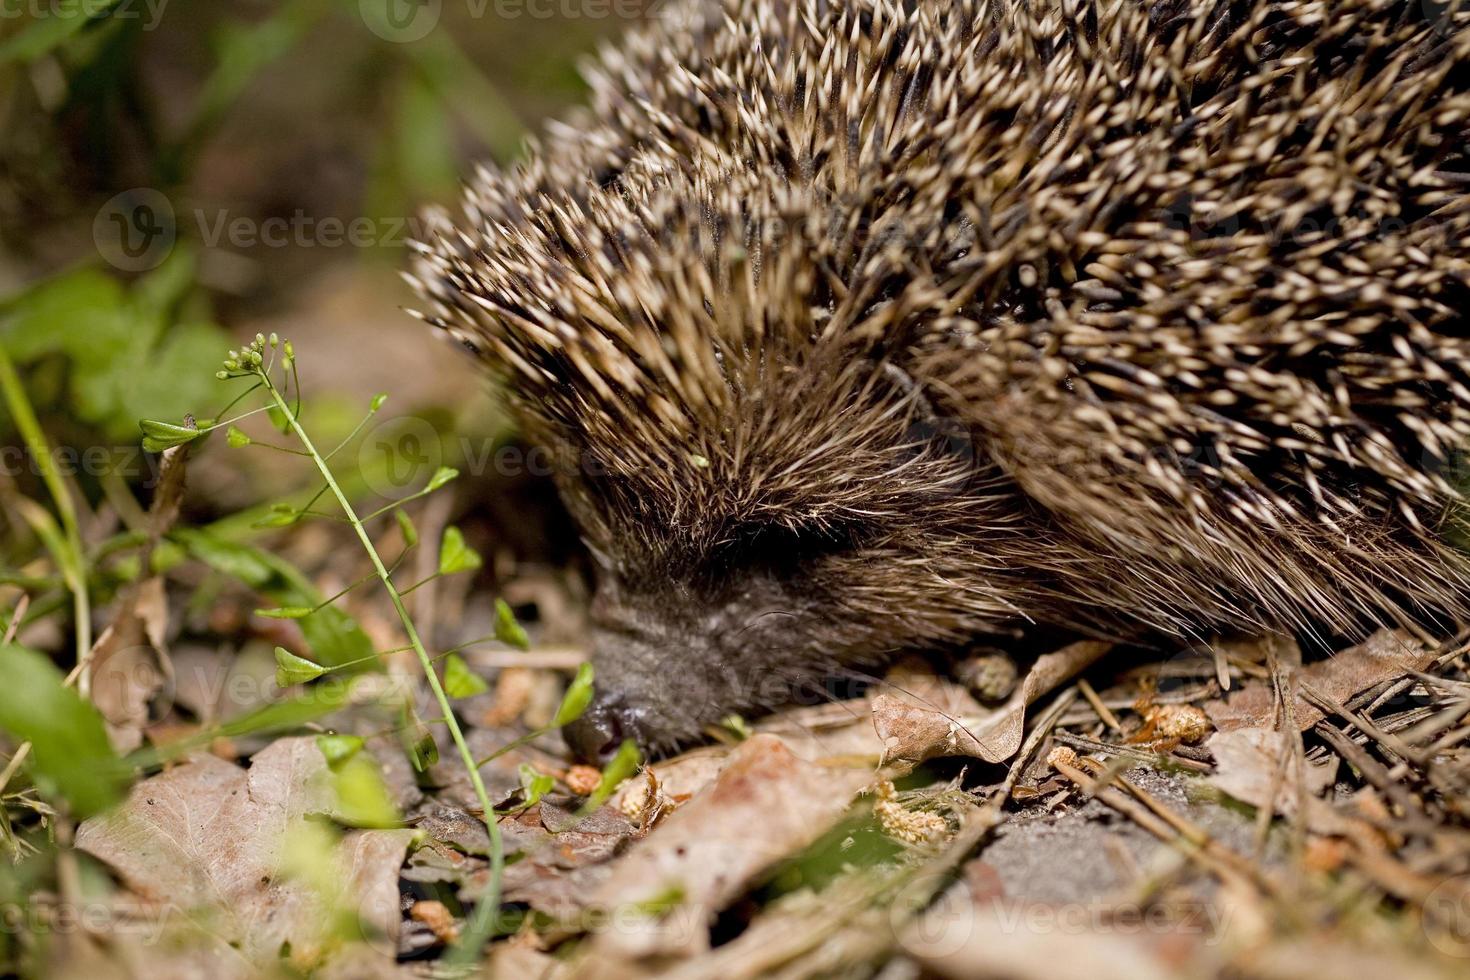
[(860, 326)]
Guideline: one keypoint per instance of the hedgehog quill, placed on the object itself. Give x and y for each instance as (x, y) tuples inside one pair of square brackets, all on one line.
[(861, 326)]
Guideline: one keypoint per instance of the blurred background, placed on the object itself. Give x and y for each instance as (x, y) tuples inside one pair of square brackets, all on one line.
[(176, 177)]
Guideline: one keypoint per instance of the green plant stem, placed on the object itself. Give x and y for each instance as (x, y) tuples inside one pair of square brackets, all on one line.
[(74, 569), (480, 927)]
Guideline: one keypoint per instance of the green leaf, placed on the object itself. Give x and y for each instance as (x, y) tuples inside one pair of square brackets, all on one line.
[(44, 34), (534, 785), (460, 681), (305, 707), (577, 698), (455, 556), (291, 669), (172, 376), (442, 476), (286, 612), (159, 436), (423, 751), (378, 402), (738, 726), (236, 438), (82, 314), (622, 765), (507, 630), (363, 799), (660, 904), (69, 746), (337, 749), (128, 357), (336, 640), (278, 519), (405, 525)]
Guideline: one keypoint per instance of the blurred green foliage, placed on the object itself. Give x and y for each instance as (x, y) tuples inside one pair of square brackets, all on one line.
[(253, 109), (131, 351), (69, 747)]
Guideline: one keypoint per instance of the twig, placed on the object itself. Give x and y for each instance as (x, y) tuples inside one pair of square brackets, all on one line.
[(18, 614), (1103, 711), (1131, 752), (1039, 732), (1168, 826)]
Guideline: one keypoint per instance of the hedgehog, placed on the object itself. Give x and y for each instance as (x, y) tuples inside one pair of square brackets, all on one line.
[(857, 327)]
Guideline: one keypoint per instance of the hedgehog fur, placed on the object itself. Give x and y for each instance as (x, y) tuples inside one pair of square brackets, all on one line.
[(859, 326)]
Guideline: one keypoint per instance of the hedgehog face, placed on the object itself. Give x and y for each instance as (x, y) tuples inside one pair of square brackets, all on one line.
[(716, 601)]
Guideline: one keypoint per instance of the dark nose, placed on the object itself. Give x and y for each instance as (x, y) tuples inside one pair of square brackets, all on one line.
[(596, 735)]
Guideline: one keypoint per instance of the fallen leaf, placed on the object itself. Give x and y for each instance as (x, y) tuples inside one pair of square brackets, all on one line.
[(765, 805), (563, 854), (962, 937), (913, 733), (679, 778), (837, 733), (1248, 761), (130, 663), (207, 839), (1385, 655), (510, 960), (501, 775)]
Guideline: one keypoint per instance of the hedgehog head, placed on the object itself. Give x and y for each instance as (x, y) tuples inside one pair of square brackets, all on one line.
[(740, 455)]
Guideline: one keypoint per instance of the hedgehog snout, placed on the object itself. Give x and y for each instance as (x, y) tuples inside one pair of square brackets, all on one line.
[(630, 700), (597, 734)]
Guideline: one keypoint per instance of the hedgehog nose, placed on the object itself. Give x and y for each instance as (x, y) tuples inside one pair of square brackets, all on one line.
[(596, 736)]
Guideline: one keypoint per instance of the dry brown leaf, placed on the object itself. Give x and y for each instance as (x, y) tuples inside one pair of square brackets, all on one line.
[(766, 805), (510, 960), (1248, 761), (563, 858), (914, 682), (1385, 655), (840, 733), (678, 778), (912, 733), (130, 663), (962, 937), (206, 840)]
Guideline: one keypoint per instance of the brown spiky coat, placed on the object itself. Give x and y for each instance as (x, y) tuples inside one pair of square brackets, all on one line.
[(861, 325)]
